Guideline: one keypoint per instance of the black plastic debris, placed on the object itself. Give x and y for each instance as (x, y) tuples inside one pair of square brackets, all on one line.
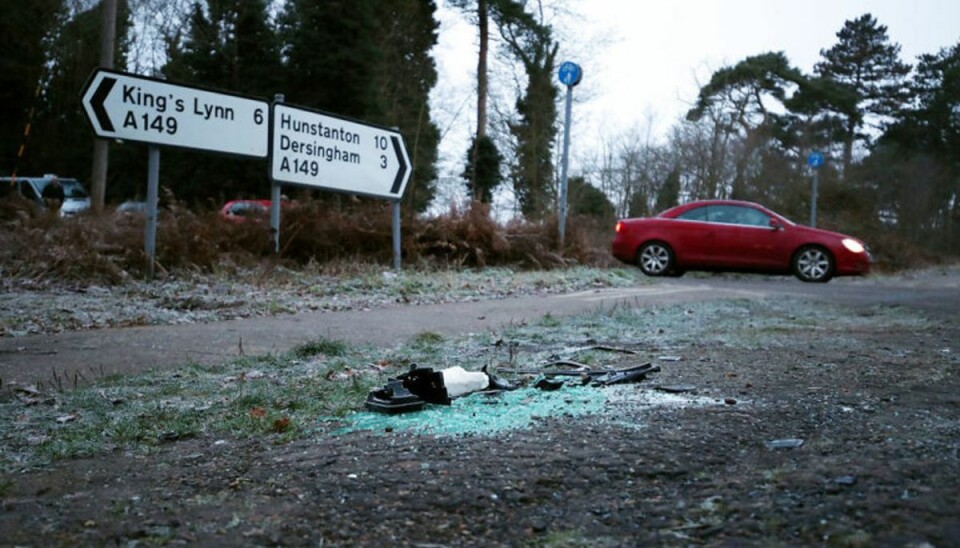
[(426, 384), (600, 377), (623, 376), (393, 398), (676, 388), (496, 383), (420, 386), (548, 385)]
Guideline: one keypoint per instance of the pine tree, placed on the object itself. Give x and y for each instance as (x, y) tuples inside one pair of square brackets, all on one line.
[(916, 163), (669, 194), (482, 170), (229, 45), (589, 201), (868, 67), (738, 97), (61, 138), (331, 56), (24, 32), (404, 78)]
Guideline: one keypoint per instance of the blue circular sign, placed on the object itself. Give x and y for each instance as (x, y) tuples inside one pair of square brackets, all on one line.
[(815, 159), (570, 74)]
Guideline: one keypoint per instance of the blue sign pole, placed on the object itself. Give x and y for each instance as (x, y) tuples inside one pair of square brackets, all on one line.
[(570, 75), (814, 160)]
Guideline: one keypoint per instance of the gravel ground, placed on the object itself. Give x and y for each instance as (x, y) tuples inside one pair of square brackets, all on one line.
[(807, 424)]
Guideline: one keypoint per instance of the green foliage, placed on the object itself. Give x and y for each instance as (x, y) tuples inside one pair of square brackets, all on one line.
[(482, 171), (669, 194), (321, 347), (744, 84), (229, 45), (367, 59), (72, 52), (866, 65), (331, 56), (25, 31), (740, 148), (738, 97), (404, 77), (589, 201), (532, 44)]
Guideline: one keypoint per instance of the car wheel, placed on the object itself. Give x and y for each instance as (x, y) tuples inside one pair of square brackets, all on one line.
[(813, 264), (655, 259)]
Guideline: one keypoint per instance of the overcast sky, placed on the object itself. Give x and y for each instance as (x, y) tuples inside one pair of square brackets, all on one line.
[(642, 59)]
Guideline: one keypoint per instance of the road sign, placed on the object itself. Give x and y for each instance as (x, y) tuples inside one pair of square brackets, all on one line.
[(815, 159), (137, 108), (570, 74), (321, 150)]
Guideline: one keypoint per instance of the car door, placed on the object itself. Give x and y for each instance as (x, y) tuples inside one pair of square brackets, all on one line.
[(745, 238), (692, 238)]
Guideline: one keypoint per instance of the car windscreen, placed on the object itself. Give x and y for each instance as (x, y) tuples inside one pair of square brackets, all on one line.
[(73, 189)]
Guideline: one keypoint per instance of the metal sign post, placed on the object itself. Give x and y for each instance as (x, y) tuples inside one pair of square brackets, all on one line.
[(153, 186), (570, 75), (814, 160), (396, 235)]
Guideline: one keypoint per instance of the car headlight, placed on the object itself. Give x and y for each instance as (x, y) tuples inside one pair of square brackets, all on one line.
[(852, 245)]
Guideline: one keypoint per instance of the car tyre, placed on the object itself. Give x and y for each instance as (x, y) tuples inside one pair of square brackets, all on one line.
[(813, 264), (655, 259)]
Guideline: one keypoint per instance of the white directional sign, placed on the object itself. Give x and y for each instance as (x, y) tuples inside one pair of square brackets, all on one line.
[(320, 150), (137, 108)]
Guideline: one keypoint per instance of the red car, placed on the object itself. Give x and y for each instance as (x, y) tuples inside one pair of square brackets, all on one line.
[(730, 235)]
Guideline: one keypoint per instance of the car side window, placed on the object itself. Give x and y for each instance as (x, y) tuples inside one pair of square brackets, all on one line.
[(737, 215), (722, 214), (247, 210), (695, 214), (752, 217)]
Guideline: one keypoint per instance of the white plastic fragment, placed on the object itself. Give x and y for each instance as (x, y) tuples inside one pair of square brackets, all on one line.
[(458, 381)]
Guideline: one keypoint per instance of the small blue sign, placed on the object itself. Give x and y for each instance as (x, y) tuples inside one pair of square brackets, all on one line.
[(815, 159), (570, 74)]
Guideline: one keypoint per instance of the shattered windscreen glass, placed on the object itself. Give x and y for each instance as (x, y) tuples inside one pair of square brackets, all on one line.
[(483, 413)]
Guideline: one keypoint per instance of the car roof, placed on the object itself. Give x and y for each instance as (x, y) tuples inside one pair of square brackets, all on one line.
[(700, 203)]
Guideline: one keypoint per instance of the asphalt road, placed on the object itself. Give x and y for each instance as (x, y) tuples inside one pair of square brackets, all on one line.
[(25, 360)]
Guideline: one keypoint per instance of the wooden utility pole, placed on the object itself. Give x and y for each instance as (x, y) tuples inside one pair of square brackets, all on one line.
[(108, 37)]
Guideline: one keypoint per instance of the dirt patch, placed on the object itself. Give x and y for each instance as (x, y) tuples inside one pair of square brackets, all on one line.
[(872, 395)]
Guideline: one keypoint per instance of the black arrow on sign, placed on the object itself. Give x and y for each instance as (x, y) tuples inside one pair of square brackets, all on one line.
[(96, 102), (398, 180)]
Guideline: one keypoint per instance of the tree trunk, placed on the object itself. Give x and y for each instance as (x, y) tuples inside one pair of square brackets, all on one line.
[(483, 18), (101, 147), (848, 146)]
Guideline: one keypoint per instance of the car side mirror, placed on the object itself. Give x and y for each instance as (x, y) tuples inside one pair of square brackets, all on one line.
[(775, 224)]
